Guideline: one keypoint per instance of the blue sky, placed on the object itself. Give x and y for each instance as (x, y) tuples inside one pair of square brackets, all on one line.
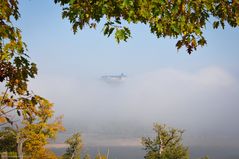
[(198, 92), (44, 29)]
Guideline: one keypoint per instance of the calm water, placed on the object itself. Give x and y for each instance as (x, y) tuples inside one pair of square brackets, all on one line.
[(138, 152)]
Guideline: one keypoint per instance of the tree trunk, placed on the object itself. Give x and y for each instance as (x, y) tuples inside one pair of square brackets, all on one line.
[(161, 147), (73, 154), (19, 150), (20, 142)]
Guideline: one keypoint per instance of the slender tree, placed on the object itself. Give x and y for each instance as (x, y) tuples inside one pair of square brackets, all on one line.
[(167, 144), (75, 147)]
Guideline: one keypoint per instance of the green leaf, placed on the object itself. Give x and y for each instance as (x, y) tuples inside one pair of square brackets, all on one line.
[(110, 31), (72, 2), (106, 30), (126, 2), (175, 28), (215, 24)]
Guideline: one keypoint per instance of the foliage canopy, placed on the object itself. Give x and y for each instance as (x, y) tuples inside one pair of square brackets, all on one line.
[(15, 72), (183, 19), (15, 66), (17, 102)]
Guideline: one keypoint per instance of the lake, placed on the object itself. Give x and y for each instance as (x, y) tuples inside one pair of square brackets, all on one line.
[(138, 152)]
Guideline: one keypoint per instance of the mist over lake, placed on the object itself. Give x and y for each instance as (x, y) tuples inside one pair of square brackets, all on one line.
[(121, 113)]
